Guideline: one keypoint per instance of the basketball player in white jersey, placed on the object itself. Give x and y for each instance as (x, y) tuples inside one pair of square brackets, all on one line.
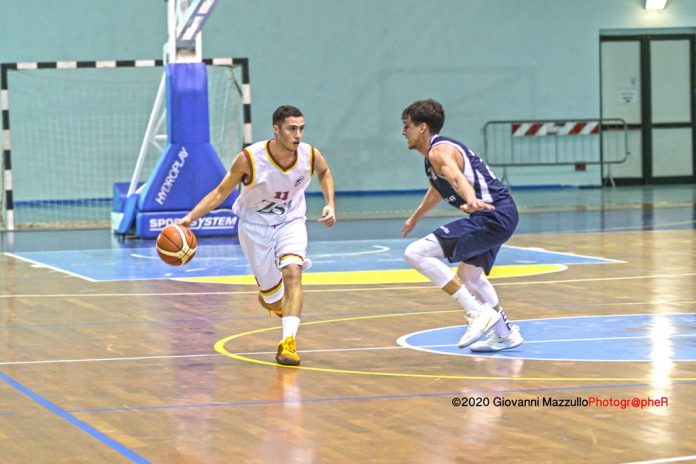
[(271, 208), (461, 178)]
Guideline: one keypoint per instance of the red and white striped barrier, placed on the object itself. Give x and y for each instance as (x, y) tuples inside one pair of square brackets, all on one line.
[(526, 129)]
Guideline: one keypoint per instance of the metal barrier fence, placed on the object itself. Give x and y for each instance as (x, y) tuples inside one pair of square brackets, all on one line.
[(578, 142)]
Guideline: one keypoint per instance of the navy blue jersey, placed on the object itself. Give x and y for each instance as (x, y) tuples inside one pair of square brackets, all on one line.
[(487, 187)]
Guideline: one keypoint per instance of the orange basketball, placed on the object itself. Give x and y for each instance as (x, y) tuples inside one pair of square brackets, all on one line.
[(176, 245)]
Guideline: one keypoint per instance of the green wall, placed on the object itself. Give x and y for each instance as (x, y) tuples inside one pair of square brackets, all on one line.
[(353, 65)]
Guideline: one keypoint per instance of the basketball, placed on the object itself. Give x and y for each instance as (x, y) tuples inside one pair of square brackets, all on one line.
[(176, 245)]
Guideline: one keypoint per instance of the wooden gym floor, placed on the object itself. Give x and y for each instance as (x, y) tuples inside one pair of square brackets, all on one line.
[(133, 369)]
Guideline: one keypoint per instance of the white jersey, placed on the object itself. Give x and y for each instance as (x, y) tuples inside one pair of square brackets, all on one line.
[(274, 195)]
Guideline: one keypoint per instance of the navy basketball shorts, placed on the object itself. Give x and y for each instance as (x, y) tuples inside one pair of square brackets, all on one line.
[(477, 239)]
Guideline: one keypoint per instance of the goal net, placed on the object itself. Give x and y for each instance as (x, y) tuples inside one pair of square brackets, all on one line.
[(75, 132)]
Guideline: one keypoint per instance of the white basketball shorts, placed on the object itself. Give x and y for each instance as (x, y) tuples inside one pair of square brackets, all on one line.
[(270, 248)]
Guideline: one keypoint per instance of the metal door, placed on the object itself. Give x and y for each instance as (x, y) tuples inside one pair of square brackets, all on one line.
[(648, 81)]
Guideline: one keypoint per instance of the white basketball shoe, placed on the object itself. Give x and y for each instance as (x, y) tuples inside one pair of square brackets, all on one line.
[(480, 322), (496, 343)]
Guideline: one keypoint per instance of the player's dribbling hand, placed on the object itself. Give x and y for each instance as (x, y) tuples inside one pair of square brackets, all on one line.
[(328, 216), (184, 221), (476, 205)]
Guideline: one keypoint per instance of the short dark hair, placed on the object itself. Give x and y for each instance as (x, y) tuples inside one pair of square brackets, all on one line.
[(428, 111), (285, 111)]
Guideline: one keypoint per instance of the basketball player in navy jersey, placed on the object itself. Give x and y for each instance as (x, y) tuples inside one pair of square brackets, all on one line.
[(461, 178), (271, 209)]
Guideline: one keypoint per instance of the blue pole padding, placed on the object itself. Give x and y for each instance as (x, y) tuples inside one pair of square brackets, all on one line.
[(189, 167), (187, 103)]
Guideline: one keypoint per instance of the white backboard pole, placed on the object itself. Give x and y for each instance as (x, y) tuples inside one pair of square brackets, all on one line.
[(185, 21)]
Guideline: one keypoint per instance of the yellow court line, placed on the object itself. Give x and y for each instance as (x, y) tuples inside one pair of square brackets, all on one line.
[(220, 348), (383, 276)]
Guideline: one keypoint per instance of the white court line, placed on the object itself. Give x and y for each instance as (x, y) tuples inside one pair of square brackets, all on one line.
[(560, 340), (206, 258), (184, 356), (327, 350), (46, 266), (86, 360), (379, 249), (423, 286), (402, 341), (563, 253), (660, 461), (615, 229)]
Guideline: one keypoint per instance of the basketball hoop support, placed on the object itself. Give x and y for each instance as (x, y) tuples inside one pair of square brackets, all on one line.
[(185, 21)]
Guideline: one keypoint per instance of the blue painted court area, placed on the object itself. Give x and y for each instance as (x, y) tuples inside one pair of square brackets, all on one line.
[(227, 259), (633, 337)]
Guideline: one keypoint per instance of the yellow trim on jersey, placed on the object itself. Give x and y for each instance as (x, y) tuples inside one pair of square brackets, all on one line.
[(274, 163), (311, 161), (292, 257), (270, 290), (250, 158)]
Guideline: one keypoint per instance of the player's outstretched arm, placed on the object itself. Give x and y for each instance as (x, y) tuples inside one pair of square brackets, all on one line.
[(326, 181), (430, 200), (240, 168)]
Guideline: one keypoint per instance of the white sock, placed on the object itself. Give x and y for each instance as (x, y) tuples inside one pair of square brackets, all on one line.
[(466, 300), (502, 327), (291, 325), (477, 283)]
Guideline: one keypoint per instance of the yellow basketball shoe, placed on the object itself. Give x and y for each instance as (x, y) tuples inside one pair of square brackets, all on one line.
[(287, 352)]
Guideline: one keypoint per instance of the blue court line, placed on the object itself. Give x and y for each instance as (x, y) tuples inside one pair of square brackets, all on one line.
[(371, 398), (73, 420), (3, 413)]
